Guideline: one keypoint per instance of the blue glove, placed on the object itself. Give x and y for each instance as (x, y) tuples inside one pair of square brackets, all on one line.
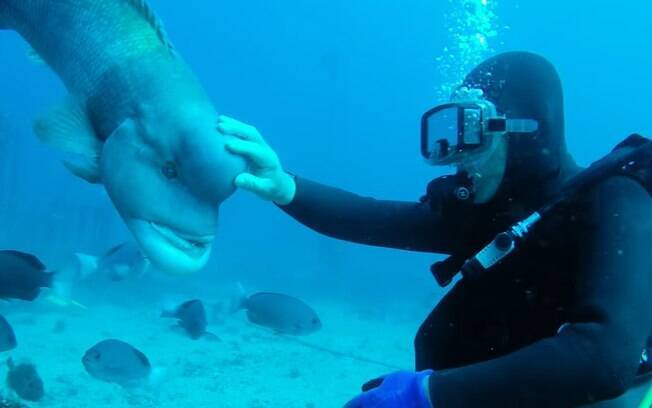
[(402, 389)]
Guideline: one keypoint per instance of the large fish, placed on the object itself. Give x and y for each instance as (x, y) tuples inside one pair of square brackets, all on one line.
[(118, 362), (137, 121), (191, 316), (282, 313)]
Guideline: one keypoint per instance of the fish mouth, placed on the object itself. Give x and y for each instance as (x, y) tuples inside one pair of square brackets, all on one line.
[(170, 249), (186, 242)]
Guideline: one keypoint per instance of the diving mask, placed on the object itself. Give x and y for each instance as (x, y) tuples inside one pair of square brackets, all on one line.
[(452, 131)]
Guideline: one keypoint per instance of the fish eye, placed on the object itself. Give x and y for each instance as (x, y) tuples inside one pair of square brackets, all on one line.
[(315, 320), (169, 170)]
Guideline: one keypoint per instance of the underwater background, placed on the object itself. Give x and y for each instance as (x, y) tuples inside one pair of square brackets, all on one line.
[(337, 87)]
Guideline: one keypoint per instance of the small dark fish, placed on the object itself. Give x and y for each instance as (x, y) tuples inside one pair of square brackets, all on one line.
[(25, 381), (282, 313), (7, 335), (22, 276), (118, 362), (191, 317)]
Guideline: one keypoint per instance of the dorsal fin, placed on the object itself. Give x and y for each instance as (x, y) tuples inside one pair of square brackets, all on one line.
[(29, 258), (145, 10)]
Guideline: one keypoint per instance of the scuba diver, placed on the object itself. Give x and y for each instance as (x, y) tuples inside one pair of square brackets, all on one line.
[(560, 322)]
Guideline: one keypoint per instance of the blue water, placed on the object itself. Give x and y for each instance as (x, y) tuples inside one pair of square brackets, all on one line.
[(337, 88)]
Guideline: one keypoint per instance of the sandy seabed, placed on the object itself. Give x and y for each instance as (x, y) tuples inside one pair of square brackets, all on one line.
[(248, 367)]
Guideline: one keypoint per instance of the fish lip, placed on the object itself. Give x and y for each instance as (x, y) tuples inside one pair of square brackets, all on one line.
[(180, 239), (170, 250)]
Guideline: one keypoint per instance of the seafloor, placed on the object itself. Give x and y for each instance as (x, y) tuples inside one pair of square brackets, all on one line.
[(248, 367)]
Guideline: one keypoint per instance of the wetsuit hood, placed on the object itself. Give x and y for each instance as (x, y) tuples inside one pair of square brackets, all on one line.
[(526, 85)]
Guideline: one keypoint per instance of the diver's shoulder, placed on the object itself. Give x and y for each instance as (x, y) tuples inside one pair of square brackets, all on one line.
[(621, 186), (620, 194)]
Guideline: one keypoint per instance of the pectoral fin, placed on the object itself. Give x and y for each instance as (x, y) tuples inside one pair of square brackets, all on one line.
[(86, 169), (33, 55), (67, 128)]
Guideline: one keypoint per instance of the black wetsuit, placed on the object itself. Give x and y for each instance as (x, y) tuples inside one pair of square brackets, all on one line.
[(496, 341), (587, 265)]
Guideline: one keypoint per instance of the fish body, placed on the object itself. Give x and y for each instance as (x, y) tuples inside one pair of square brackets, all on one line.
[(7, 336), (282, 313), (22, 275), (116, 361), (191, 317), (124, 261), (137, 121), (24, 380)]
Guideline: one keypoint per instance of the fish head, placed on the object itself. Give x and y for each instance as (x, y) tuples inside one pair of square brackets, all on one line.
[(92, 360), (307, 326), (166, 170), (315, 324), (303, 325)]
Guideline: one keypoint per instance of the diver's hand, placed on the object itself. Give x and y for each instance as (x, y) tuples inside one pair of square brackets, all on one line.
[(406, 389), (266, 176)]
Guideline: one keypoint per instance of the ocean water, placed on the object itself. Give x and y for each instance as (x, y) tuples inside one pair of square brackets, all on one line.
[(337, 88)]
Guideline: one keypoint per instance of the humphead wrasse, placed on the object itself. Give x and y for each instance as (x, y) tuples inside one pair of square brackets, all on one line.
[(137, 121)]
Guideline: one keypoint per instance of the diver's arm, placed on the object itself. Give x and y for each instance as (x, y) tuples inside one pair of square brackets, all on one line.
[(596, 356), (331, 211), (344, 215)]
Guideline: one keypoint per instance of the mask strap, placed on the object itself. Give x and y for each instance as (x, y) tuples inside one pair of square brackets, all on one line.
[(521, 125)]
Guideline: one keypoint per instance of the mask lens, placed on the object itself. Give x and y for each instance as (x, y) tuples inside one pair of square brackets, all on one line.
[(440, 132), (472, 126)]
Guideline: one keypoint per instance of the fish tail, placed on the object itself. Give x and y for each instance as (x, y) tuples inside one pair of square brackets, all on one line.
[(61, 282), (169, 307), (168, 313), (238, 300), (48, 280), (86, 265), (156, 377)]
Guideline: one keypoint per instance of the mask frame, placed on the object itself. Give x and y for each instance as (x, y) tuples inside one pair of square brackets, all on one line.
[(471, 125)]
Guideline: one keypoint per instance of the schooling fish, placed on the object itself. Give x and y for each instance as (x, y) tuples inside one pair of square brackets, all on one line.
[(191, 317), (137, 121), (22, 276), (25, 381), (123, 261), (7, 335), (118, 362), (282, 313)]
